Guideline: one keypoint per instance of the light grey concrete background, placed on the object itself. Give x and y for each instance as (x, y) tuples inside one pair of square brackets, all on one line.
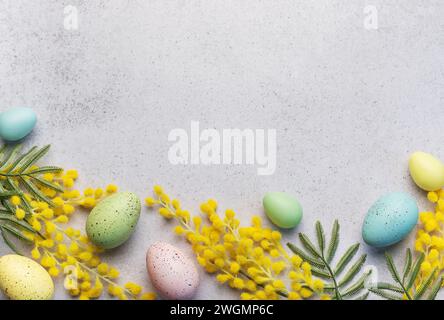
[(349, 104)]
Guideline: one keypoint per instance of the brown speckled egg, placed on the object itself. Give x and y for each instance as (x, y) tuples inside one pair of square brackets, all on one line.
[(24, 279), (172, 273)]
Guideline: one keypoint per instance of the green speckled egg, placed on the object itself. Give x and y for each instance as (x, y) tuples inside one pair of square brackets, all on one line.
[(113, 220), (24, 279), (282, 209)]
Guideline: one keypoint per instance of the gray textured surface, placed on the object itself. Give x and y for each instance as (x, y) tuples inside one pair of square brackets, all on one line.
[(349, 104)]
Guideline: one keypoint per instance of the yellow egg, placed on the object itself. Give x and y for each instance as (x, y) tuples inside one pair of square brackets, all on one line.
[(427, 171), (24, 279)]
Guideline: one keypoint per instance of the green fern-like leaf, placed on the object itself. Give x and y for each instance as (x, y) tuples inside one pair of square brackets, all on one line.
[(310, 247), (425, 285), (385, 294), (7, 194), (311, 260), (320, 258), (435, 289), (10, 158), (403, 287), (32, 158), (414, 271), (15, 232), (392, 268), (357, 286), (8, 241), (14, 165), (320, 273), (345, 259), (44, 169), (334, 241), (35, 191), (407, 264), (363, 297), (19, 176), (353, 271), (48, 184), (7, 218), (389, 286), (321, 237)]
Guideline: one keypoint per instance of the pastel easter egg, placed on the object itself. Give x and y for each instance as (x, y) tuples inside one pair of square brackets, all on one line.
[(24, 279), (390, 219), (112, 221), (172, 273), (282, 209), (17, 123), (427, 171)]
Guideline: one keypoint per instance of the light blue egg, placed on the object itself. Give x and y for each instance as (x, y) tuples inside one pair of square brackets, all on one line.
[(390, 219), (17, 123)]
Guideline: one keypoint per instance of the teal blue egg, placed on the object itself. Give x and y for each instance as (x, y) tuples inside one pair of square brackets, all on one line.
[(282, 209), (17, 123), (390, 219)]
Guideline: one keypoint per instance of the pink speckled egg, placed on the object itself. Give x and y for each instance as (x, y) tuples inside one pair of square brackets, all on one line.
[(172, 273)]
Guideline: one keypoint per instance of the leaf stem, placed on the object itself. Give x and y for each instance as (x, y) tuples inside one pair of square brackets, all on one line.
[(332, 275), (405, 291)]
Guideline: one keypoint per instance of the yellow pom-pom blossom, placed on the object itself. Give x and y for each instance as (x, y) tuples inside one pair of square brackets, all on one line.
[(430, 237), (15, 200), (251, 259), (20, 213), (65, 251)]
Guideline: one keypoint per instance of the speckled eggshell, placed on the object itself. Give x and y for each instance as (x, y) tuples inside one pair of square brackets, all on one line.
[(172, 273), (113, 220), (24, 279), (390, 219)]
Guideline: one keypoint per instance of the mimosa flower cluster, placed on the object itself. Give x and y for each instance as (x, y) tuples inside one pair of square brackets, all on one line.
[(250, 259), (67, 251), (430, 236)]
